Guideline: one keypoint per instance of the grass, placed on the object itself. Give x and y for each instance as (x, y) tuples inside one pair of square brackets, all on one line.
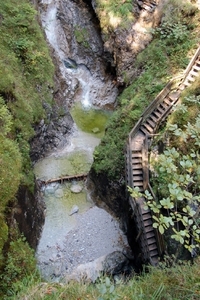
[(160, 61), (179, 282), (114, 13)]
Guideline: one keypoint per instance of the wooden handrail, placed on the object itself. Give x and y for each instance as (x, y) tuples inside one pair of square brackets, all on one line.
[(157, 100), (135, 129), (171, 86), (189, 67), (145, 166), (159, 237)]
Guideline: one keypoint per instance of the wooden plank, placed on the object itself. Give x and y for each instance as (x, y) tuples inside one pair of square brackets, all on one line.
[(67, 177)]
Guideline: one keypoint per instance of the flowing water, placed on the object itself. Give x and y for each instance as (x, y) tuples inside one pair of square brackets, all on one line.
[(62, 200)]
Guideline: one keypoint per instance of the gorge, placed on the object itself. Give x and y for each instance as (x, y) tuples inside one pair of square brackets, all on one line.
[(88, 64), (90, 95)]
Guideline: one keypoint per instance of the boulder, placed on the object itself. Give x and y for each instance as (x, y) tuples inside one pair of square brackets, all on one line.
[(74, 210), (59, 193), (117, 263), (76, 188)]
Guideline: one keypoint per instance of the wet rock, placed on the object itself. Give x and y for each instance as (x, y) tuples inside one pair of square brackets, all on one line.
[(116, 263), (74, 210), (76, 188), (95, 130), (59, 193), (70, 63), (51, 188)]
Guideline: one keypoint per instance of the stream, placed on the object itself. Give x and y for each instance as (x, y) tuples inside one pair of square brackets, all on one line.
[(76, 232)]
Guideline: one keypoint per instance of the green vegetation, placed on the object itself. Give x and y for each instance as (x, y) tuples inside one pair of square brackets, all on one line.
[(81, 35), (175, 283), (26, 73), (158, 63), (176, 175), (114, 14)]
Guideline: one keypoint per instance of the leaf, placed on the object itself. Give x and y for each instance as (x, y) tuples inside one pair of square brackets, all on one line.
[(166, 203), (155, 225), (112, 287), (161, 229), (107, 281)]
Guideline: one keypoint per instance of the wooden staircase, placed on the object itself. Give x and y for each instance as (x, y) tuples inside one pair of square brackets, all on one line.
[(137, 171)]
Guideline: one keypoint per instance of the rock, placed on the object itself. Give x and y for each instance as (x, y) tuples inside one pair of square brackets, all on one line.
[(59, 193), (70, 63), (76, 188), (74, 210), (88, 272), (95, 130), (117, 263)]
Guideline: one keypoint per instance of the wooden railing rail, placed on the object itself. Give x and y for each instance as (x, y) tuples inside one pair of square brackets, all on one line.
[(135, 129), (129, 169), (145, 164), (158, 99), (159, 237), (139, 139), (191, 63)]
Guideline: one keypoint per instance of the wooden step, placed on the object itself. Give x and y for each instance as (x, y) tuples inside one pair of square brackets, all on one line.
[(148, 222), (136, 165), (137, 183), (194, 72), (137, 177), (136, 154), (151, 241), (146, 216), (149, 229), (149, 128), (144, 130), (151, 123), (136, 160), (145, 211), (154, 253), (150, 234), (190, 78), (163, 106), (168, 101), (158, 112), (182, 87), (137, 171), (196, 68), (197, 63), (154, 261), (153, 247), (174, 96), (154, 118)]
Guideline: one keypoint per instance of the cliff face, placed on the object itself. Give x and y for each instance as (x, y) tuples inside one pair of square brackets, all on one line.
[(124, 41), (79, 33)]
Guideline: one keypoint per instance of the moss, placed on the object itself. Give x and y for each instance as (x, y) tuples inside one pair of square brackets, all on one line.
[(160, 61), (90, 120), (26, 82), (81, 36)]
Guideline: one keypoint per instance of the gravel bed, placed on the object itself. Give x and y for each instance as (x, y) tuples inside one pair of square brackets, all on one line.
[(96, 234)]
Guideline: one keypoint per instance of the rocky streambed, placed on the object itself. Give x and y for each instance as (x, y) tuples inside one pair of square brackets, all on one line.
[(78, 237)]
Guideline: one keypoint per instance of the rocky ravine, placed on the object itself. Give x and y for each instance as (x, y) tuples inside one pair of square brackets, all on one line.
[(123, 43)]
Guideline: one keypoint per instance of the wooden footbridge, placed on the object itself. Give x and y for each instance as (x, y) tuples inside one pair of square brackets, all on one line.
[(137, 169), (61, 179)]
